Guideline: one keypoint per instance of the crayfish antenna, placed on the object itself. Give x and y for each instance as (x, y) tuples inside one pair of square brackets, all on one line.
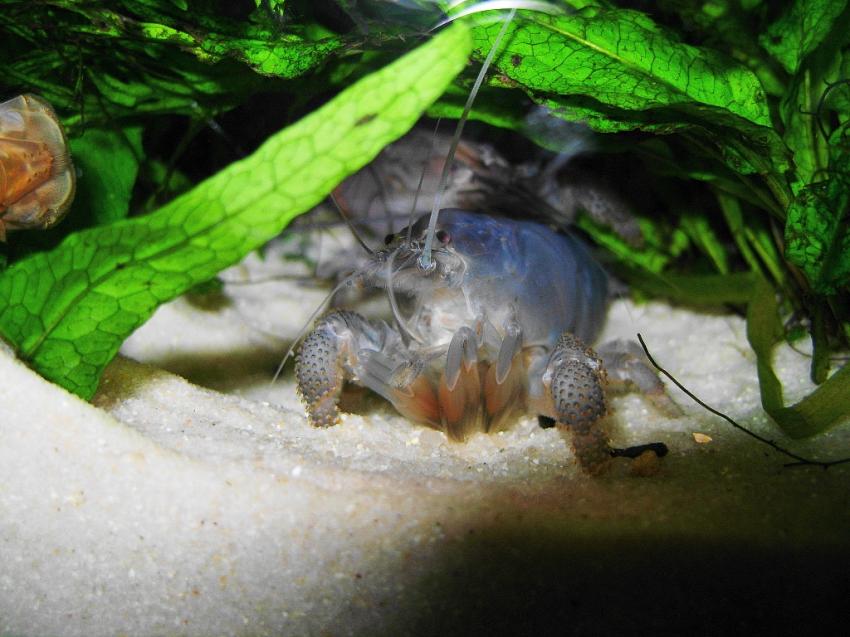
[(407, 334), (351, 226), (412, 217), (425, 258), (493, 5)]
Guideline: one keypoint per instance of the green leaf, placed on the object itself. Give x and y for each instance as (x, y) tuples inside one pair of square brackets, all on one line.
[(622, 59), (838, 98), (128, 82), (107, 163), (826, 407), (702, 234), (128, 59), (265, 50), (694, 290), (725, 26), (275, 6), (799, 31), (66, 312), (494, 106), (798, 111), (607, 119), (805, 107), (734, 216), (285, 56), (817, 232), (660, 245), (618, 71)]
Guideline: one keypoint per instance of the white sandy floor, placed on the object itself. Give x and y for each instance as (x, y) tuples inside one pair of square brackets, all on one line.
[(167, 507)]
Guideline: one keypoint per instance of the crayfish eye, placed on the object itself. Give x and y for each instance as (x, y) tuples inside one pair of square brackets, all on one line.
[(389, 239), (443, 236)]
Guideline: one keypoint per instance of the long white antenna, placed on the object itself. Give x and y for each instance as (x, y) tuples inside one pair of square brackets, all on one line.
[(351, 226), (407, 334), (492, 5), (425, 262), (412, 215)]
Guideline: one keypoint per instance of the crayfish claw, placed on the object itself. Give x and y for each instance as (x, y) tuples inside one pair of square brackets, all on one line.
[(575, 379), (319, 376), (328, 358)]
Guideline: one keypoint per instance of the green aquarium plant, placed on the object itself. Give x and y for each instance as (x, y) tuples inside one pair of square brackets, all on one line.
[(737, 110)]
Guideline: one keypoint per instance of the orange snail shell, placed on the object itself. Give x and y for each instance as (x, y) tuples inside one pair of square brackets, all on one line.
[(36, 174)]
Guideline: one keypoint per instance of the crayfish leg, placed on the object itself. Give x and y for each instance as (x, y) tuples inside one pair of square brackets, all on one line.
[(417, 402), (460, 406), (459, 387), (404, 383), (628, 367), (503, 401)]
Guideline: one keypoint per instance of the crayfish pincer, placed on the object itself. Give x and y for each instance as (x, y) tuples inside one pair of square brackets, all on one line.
[(500, 326)]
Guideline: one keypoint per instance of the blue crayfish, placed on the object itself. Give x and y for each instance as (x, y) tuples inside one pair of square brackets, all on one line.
[(500, 326)]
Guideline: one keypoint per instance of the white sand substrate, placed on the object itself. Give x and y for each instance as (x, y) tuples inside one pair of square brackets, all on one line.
[(192, 498)]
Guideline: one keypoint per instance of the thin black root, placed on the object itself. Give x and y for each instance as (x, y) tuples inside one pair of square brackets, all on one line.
[(799, 461)]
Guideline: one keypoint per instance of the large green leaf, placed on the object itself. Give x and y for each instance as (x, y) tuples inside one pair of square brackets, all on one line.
[(622, 59), (803, 109), (798, 112), (726, 25), (66, 312), (616, 70)]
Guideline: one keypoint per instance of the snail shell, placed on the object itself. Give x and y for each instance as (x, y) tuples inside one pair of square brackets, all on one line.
[(36, 174)]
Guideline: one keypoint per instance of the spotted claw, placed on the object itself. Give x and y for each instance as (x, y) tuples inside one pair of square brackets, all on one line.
[(329, 357), (575, 380)]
